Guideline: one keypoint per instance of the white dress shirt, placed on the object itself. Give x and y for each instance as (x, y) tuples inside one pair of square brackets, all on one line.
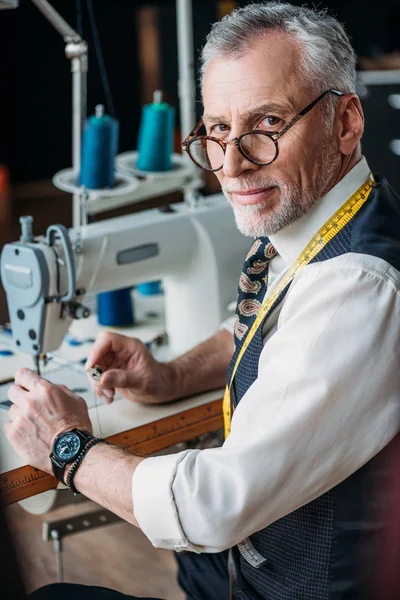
[(324, 403)]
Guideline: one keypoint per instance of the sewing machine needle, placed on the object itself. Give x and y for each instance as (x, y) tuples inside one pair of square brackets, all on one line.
[(37, 364)]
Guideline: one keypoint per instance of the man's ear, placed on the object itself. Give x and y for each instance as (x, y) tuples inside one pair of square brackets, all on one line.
[(350, 123)]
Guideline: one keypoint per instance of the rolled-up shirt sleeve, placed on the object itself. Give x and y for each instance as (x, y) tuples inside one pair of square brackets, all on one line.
[(326, 400)]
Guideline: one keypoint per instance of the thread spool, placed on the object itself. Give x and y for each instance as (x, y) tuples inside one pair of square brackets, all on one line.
[(115, 308), (156, 136), (99, 149), (149, 289), (155, 148)]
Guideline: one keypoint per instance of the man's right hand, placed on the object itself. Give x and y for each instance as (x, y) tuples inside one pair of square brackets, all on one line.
[(130, 369)]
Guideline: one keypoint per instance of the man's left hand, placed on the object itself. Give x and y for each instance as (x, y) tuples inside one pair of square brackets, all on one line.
[(40, 411)]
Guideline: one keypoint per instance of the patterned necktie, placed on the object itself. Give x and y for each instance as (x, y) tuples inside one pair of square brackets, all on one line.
[(252, 286)]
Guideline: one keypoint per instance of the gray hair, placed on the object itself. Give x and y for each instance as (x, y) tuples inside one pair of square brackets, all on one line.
[(327, 59)]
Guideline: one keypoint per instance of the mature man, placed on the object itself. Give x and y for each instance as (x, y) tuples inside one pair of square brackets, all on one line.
[(314, 377)]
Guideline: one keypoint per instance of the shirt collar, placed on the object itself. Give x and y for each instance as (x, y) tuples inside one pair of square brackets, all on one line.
[(291, 241)]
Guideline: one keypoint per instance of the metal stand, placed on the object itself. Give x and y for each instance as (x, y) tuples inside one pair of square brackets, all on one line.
[(76, 50), (58, 549), (57, 530)]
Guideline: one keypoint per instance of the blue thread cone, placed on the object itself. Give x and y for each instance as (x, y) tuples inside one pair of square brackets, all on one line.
[(149, 289), (99, 148), (115, 308), (156, 136)]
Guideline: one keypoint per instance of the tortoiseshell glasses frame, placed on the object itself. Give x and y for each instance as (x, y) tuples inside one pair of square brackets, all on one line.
[(192, 137)]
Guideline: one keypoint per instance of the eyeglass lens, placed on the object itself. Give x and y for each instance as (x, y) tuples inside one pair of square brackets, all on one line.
[(209, 154)]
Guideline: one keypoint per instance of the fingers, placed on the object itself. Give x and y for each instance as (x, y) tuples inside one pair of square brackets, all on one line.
[(7, 427), (106, 394), (18, 395), (99, 350), (117, 378), (13, 412), (106, 342), (112, 352), (108, 399), (27, 379)]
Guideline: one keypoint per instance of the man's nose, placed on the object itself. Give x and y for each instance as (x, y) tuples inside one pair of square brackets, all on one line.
[(235, 163)]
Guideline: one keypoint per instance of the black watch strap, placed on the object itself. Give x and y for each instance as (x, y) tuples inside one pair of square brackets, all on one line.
[(69, 481), (58, 470), (60, 465)]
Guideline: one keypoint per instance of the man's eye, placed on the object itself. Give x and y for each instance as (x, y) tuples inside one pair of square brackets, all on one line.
[(274, 123), (219, 129)]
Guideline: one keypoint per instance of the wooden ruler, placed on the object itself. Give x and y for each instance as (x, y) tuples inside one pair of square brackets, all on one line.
[(27, 481)]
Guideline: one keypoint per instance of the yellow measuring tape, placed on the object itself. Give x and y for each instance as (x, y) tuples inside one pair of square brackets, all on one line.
[(341, 217)]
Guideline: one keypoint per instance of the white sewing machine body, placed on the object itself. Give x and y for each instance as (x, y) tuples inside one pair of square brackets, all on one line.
[(197, 252)]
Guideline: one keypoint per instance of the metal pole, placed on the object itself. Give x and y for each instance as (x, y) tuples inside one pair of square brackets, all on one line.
[(79, 67), (58, 549), (187, 81), (57, 21), (76, 51)]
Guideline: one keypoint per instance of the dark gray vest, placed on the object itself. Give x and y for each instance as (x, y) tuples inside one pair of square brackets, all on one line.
[(325, 549)]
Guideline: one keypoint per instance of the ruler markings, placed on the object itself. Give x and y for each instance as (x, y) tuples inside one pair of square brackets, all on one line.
[(27, 481)]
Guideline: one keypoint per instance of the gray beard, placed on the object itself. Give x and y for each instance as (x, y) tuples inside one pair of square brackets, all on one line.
[(255, 221), (295, 202)]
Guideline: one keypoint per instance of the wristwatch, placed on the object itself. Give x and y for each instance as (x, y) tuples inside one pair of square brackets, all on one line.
[(66, 448)]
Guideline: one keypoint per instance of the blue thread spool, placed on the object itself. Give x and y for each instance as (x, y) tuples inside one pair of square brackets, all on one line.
[(99, 148), (156, 136), (149, 289), (115, 308), (155, 148)]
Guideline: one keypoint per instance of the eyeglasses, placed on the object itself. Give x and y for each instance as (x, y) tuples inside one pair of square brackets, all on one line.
[(259, 147)]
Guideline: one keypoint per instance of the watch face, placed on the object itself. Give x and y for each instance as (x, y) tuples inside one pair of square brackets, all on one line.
[(67, 446)]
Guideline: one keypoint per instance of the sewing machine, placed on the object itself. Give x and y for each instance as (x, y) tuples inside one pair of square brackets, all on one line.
[(197, 252)]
